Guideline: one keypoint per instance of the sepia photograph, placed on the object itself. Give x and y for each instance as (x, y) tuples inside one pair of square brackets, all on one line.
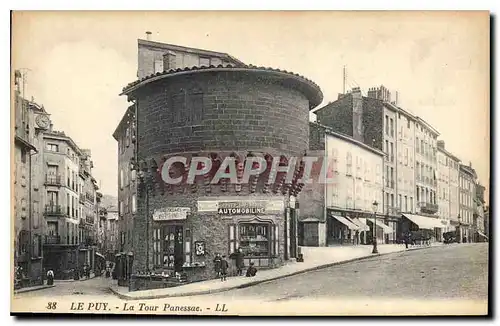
[(250, 163)]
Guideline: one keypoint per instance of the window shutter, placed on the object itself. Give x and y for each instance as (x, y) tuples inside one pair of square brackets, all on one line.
[(276, 240), (187, 248), (232, 238)]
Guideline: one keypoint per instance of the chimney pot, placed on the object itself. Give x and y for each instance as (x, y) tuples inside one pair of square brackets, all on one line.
[(148, 35)]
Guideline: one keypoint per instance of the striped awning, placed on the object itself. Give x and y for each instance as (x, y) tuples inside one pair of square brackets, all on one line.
[(482, 234), (387, 229), (346, 222), (362, 226), (425, 222)]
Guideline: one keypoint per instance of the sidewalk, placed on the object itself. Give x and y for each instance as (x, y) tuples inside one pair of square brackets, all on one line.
[(33, 288), (314, 258)]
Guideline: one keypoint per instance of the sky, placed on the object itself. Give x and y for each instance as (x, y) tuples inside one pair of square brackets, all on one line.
[(438, 62)]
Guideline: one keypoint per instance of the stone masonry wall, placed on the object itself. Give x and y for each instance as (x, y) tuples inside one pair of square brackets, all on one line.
[(221, 111)]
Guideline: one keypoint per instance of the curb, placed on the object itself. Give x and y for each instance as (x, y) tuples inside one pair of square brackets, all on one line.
[(242, 286), (80, 280), (41, 287)]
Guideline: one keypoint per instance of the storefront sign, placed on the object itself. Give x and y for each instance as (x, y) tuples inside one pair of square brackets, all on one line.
[(171, 213), (241, 207)]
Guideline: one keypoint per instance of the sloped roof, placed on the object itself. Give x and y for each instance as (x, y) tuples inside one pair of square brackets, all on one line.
[(312, 91)]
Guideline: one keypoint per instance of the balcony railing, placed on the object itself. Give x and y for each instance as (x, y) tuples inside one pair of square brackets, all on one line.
[(52, 239), (55, 210), (89, 197), (53, 180), (429, 208)]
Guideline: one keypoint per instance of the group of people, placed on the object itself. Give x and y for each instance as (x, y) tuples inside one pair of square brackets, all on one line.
[(222, 265)]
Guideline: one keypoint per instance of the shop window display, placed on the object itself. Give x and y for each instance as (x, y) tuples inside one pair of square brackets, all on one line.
[(255, 239)]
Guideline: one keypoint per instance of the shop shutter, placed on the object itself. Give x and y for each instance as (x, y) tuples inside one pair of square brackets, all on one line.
[(187, 247), (233, 238)]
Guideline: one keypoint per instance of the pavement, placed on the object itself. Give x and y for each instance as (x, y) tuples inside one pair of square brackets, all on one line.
[(314, 258)]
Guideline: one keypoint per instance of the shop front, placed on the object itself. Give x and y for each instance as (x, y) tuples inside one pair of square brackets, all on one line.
[(185, 240), (353, 228), (422, 229)]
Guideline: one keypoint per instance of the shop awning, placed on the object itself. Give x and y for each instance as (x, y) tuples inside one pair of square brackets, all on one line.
[(344, 221), (482, 234), (387, 229), (424, 222), (362, 226), (100, 255)]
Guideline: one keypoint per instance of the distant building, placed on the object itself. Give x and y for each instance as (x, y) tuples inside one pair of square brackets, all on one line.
[(467, 182), (448, 186), (479, 215)]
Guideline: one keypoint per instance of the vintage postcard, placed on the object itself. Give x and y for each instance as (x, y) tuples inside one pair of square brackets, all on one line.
[(259, 163)]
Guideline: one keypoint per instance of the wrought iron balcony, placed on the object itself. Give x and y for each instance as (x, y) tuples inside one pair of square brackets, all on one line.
[(89, 197), (55, 210), (53, 180), (428, 208), (52, 239)]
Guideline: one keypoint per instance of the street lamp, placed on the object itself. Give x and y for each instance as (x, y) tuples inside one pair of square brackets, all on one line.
[(375, 206), (459, 230)]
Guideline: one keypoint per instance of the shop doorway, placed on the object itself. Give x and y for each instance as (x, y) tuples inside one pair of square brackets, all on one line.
[(173, 253)]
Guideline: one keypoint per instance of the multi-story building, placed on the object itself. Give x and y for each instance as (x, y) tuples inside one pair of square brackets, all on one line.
[(409, 183), (70, 205), (478, 217), (467, 183), (344, 204), (153, 57), (447, 187), (28, 223), (426, 166)]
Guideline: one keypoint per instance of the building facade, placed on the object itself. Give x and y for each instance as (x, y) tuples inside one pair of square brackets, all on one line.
[(479, 215), (447, 186), (355, 182), (70, 201), (467, 183), (409, 171), (27, 220), (216, 112)]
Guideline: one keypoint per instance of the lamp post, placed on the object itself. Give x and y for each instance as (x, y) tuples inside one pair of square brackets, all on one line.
[(375, 206), (459, 229)]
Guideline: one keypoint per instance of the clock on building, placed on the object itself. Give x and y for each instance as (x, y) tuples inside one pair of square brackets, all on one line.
[(42, 121)]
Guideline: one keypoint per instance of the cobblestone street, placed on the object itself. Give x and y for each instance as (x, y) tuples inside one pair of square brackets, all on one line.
[(447, 272)]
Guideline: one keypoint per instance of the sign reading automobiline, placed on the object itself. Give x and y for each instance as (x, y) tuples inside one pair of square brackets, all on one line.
[(240, 208), (241, 211)]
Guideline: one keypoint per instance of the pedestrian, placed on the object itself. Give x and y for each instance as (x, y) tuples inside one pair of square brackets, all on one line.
[(251, 271), (224, 265), (50, 277), (239, 261), (217, 264)]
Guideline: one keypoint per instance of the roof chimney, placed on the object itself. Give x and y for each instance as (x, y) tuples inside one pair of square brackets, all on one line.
[(148, 35)]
